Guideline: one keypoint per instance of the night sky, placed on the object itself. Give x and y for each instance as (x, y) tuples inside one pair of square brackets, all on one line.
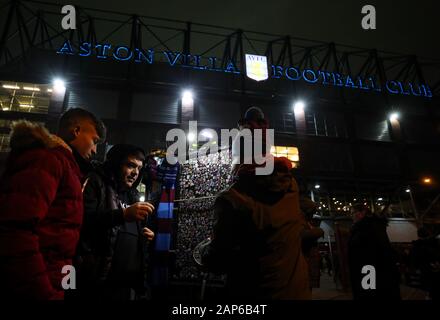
[(407, 27)]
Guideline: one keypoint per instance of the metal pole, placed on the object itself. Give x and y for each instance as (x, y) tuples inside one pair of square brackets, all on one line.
[(202, 292), (331, 256), (6, 27), (430, 206), (416, 213)]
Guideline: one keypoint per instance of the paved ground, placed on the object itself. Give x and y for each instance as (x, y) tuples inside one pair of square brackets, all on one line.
[(329, 291)]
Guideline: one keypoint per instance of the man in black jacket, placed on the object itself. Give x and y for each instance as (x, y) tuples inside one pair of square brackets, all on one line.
[(369, 245), (113, 246)]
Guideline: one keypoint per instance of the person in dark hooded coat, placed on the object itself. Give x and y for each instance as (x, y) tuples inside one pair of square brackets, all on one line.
[(369, 245), (111, 255)]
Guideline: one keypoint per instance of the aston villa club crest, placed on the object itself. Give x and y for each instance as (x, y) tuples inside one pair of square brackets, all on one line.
[(256, 67)]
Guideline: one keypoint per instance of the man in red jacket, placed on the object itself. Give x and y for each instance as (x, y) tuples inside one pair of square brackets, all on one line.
[(41, 205)]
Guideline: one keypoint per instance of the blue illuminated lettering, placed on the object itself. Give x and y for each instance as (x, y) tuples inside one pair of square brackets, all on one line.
[(427, 90), (373, 84), (172, 57), (325, 77), (349, 83), (338, 79), (197, 65), (361, 84), (411, 86), (402, 89), (390, 89), (85, 49), (292, 73), (277, 72), (141, 56), (296, 76), (66, 48), (311, 72), (122, 57), (101, 50), (231, 68), (212, 62), (186, 60)]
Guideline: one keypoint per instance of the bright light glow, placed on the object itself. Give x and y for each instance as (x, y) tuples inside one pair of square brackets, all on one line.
[(141, 198), (5, 109), (187, 97), (299, 107), (394, 116), (317, 186), (59, 85), (8, 86), (191, 137), (31, 88), (290, 153), (427, 180), (49, 90), (294, 157), (379, 199), (408, 190), (25, 105), (207, 134)]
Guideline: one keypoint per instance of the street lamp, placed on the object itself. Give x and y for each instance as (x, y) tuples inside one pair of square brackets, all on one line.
[(187, 97), (394, 116), (59, 86), (299, 107)]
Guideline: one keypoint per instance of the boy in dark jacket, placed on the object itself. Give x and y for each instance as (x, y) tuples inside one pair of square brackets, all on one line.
[(113, 248)]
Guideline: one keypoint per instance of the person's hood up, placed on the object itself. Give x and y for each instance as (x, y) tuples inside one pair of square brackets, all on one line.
[(28, 135), (371, 221), (267, 188), (117, 155)]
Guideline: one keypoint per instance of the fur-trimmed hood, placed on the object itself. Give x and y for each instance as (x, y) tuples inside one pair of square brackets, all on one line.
[(27, 135)]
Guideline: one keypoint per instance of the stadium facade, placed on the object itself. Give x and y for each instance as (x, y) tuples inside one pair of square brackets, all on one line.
[(367, 128)]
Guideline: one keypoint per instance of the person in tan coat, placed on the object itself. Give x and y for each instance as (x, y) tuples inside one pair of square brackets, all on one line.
[(257, 237)]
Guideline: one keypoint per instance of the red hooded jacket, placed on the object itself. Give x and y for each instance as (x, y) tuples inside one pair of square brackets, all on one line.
[(41, 211)]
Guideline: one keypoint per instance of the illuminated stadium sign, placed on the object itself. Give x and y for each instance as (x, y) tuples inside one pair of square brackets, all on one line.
[(256, 68)]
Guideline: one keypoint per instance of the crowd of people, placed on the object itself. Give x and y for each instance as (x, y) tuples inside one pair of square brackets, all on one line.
[(255, 231)]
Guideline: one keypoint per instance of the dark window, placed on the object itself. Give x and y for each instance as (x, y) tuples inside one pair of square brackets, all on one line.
[(372, 128), (325, 124)]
